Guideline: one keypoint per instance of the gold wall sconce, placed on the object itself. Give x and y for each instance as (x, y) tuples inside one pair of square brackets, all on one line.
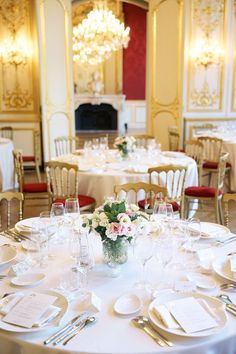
[(205, 53), (14, 52)]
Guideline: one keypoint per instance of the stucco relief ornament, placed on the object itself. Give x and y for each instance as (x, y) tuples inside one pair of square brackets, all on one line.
[(96, 84)]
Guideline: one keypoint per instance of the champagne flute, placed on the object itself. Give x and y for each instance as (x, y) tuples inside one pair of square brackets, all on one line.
[(58, 213), (143, 252), (72, 211)]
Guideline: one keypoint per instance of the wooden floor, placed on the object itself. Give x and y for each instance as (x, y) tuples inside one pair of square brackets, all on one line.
[(34, 207)]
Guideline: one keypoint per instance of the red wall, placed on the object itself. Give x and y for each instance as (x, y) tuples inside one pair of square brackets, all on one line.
[(134, 57)]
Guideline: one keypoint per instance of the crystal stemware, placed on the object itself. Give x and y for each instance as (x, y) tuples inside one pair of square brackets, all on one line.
[(143, 252)]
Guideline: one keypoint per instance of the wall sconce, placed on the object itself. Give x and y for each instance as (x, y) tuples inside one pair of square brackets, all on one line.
[(205, 53), (14, 52)]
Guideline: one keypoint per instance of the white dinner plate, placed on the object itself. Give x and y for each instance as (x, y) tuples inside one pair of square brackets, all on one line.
[(174, 154), (61, 302), (7, 254), (202, 281), (216, 306), (128, 304), (222, 267), (211, 230), (28, 279), (25, 226)]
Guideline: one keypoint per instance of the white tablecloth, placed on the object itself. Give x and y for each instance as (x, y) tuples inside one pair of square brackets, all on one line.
[(99, 173), (113, 334), (6, 165)]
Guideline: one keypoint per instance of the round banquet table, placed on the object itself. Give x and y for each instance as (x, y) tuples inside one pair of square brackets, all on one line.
[(7, 175), (113, 334), (229, 145), (100, 171)]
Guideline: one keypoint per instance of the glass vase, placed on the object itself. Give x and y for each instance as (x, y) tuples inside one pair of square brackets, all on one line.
[(115, 253)]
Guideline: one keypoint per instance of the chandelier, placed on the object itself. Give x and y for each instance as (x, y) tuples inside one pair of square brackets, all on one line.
[(98, 35)]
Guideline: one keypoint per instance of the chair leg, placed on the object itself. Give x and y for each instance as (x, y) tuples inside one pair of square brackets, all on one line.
[(221, 212), (38, 173), (217, 211)]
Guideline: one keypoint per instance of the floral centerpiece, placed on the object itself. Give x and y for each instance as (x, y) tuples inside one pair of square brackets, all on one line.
[(117, 223), (125, 144)]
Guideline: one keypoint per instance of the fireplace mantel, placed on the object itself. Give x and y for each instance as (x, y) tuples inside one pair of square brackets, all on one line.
[(117, 101)]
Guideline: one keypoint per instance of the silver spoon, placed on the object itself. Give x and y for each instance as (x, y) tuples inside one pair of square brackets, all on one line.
[(146, 320), (88, 321), (138, 322), (228, 286), (226, 299)]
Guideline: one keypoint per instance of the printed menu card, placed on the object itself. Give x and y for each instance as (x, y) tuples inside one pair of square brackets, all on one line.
[(29, 309), (191, 316)]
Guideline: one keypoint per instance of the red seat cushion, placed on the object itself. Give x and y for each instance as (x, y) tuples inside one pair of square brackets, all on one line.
[(84, 200), (174, 204), (214, 165), (34, 187), (207, 192), (28, 158)]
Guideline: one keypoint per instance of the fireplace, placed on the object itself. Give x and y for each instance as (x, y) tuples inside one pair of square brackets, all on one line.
[(104, 112), (93, 117)]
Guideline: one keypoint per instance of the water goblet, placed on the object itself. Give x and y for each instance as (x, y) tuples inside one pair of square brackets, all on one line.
[(58, 215), (143, 252), (72, 212)]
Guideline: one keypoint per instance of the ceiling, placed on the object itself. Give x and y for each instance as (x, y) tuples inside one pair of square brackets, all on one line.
[(140, 3)]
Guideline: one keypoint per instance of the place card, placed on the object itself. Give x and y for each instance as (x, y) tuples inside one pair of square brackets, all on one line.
[(190, 315), (29, 309)]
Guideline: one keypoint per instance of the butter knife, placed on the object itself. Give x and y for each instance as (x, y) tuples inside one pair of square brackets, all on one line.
[(64, 336), (66, 328)]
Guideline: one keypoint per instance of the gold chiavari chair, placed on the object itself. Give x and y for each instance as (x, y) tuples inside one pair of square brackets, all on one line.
[(173, 179), (63, 183), (151, 191), (194, 149), (174, 138), (30, 190), (207, 194), (227, 197), (66, 144), (7, 132), (30, 161), (11, 206)]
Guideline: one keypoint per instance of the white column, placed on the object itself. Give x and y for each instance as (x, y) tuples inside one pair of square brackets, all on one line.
[(56, 83)]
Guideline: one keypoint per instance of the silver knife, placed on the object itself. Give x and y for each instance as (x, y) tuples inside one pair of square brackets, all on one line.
[(231, 309), (70, 324), (89, 320), (79, 325)]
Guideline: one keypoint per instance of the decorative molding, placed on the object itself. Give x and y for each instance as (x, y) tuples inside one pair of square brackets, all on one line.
[(204, 98), (14, 13), (17, 98), (208, 14), (172, 108)]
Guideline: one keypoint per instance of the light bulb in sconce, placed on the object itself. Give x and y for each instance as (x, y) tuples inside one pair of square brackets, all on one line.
[(205, 53), (15, 51)]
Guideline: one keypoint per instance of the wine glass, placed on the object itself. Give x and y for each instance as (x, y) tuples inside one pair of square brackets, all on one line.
[(58, 213), (164, 252), (72, 212), (48, 227), (194, 232), (143, 252)]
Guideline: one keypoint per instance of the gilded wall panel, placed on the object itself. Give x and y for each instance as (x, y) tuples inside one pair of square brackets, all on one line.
[(18, 64), (234, 69), (206, 55)]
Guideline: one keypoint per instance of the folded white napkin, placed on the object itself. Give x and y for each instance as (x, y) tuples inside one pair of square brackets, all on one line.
[(165, 316), (8, 302)]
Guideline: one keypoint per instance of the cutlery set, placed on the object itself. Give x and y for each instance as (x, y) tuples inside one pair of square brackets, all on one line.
[(230, 306), (14, 235), (71, 329)]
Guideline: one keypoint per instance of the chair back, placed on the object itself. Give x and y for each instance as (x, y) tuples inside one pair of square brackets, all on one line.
[(65, 144), (37, 146), (7, 132), (221, 170), (151, 191), (12, 205), (227, 197), (174, 138), (212, 148), (62, 179), (194, 149), (19, 169), (171, 177)]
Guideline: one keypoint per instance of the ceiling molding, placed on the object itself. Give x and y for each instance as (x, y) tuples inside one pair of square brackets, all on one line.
[(140, 3)]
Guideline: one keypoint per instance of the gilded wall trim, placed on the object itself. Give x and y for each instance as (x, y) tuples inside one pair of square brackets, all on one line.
[(233, 101), (205, 83), (156, 106)]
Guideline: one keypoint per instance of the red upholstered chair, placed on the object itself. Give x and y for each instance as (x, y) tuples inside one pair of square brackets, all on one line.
[(30, 190), (33, 161), (209, 194), (194, 149), (7, 132), (151, 191), (227, 197), (212, 149), (173, 179), (63, 183)]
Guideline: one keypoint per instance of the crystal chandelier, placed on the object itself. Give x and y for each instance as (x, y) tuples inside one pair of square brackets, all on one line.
[(98, 35)]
